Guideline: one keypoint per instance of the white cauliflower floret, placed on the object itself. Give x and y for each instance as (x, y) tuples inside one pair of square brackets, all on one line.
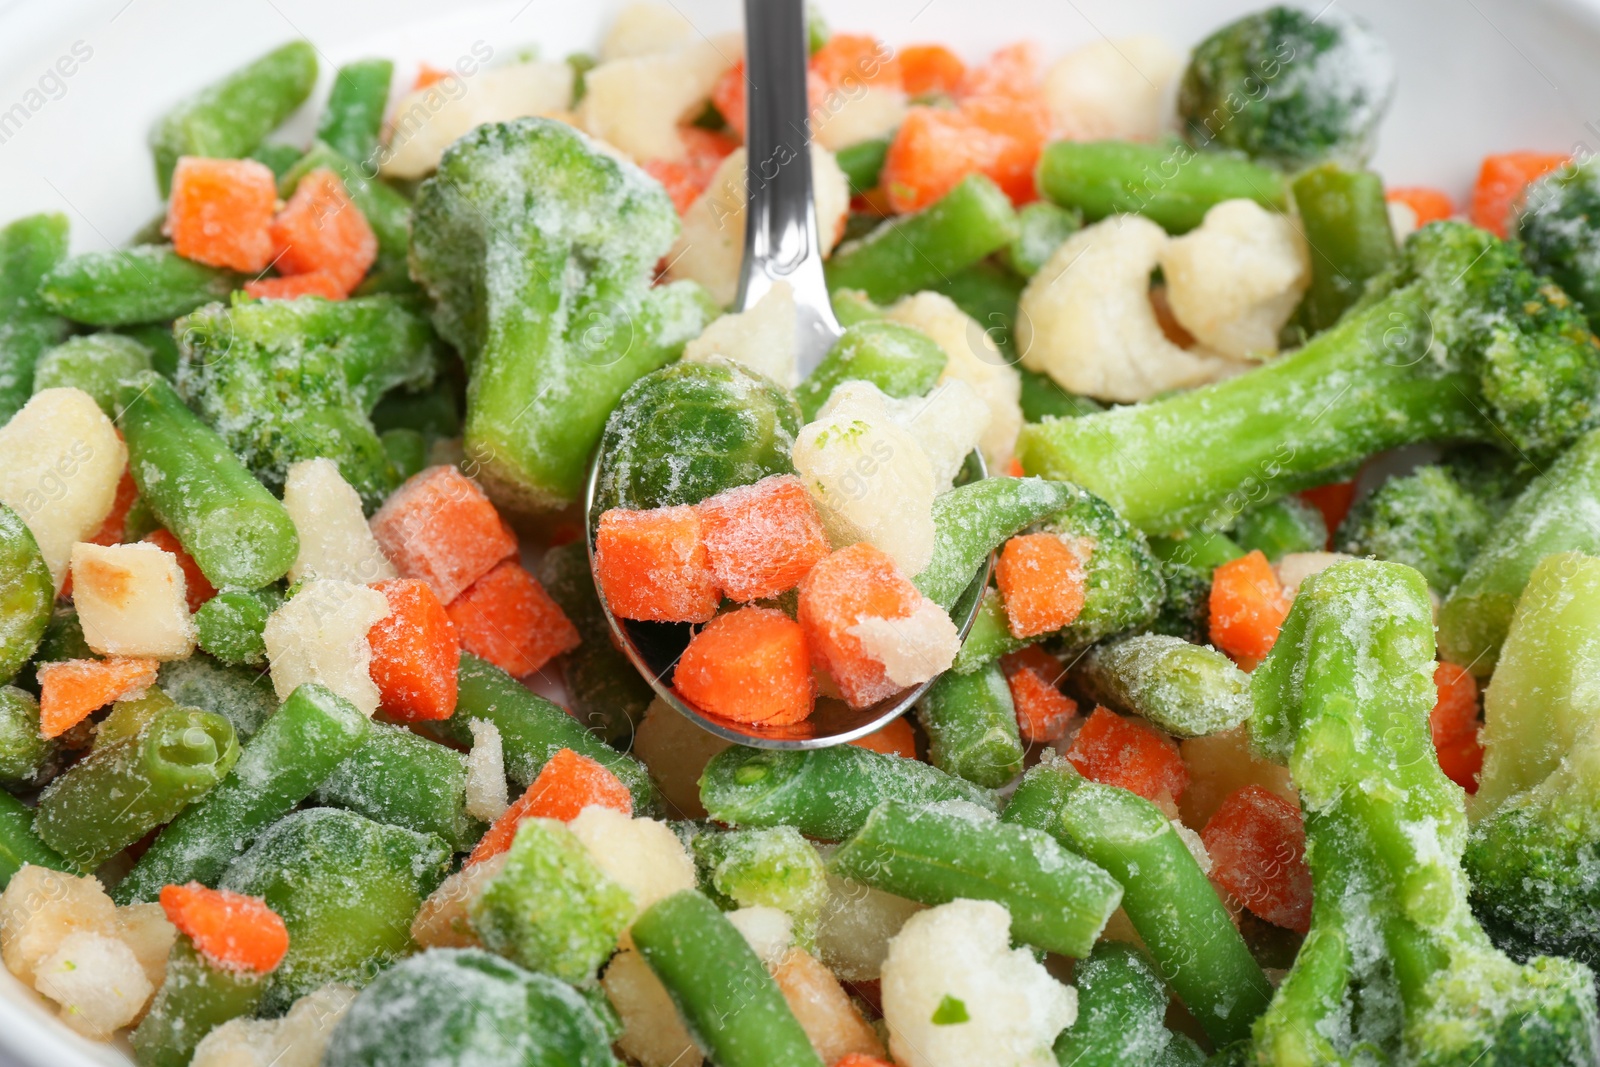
[(320, 635), (710, 246), (335, 540), (1235, 280), (857, 112), (955, 993), (145, 929), (948, 423), (486, 796), (1113, 89), (40, 908), (643, 28), (427, 121), (98, 982), (971, 357), (1295, 567), (1086, 319), (641, 855), (768, 931), (636, 103), (763, 338), (130, 599)]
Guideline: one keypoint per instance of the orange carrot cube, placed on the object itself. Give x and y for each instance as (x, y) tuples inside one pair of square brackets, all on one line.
[(321, 231), (69, 691), (507, 618), (317, 283), (220, 212), (848, 586), (1041, 581), (1043, 711), (930, 68), (415, 652), (861, 1059), (440, 527), (850, 60), (1010, 71), (1257, 842), (566, 785), (687, 178), (654, 565), (230, 929), (1427, 204), (894, 738), (1501, 182), (752, 666), (762, 538), (1128, 753), (1248, 607), (197, 587), (1454, 725)]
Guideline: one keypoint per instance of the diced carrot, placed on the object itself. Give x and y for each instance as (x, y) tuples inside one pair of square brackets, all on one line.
[(1426, 203), (321, 231), (1257, 843), (507, 618), (1128, 753), (935, 148), (317, 283), (440, 527), (852, 584), (566, 785), (70, 690), (687, 178), (1501, 181), (428, 75), (220, 212), (1043, 711), (762, 538), (854, 59), (930, 68), (1454, 725), (1041, 582), (861, 1059), (197, 588), (1247, 606), (1011, 71), (894, 738), (1333, 500), (415, 653), (1035, 659), (230, 929), (654, 565), (751, 666), (113, 530)]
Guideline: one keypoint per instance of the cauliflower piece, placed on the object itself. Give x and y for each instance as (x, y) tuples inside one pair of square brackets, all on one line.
[(912, 648), (97, 980), (635, 103), (145, 929), (947, 423), (320, 635), (427, 121), (858, 922), (653, 1034), (871, 481), (60, 462), (298, 1039), (971, 357), (335, 540), (40, 908), (130, 599), (641, 855), (676, 751), (956, 993), (442, 921), (768, 931), (824, 1009), (763, 338), (857, 112), (1113, 89), (486, 772), (710, 246), (1234, 280), (1086, 319), (641, 29)]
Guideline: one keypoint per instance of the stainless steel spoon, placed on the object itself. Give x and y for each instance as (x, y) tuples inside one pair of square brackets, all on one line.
[(780, 244)]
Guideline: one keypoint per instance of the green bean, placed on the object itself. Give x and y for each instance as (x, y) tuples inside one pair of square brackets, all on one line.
[(1043, 399), (197, 997), (913, 252), (230, 117), (406, 449), (97, 363), (26, 756), (29, 249), (386, 211), (1122, 1008), (972, 520), (1187, 690), (1278, 527), (398, 778), (163, 346), (244, 697), (1058, 900), (824, 793), (862, 162), (900, 361), (1346, 222), (26, 594), (131, 286), (1042, 227), (1169, 183), (278, 157), (231, 625), (292, 753), (237, 532), (989, 638), (971, 724), (852, 306), (19, 843), (719, 985), (118, 793), (129, 718), (1167, 896), (353, 118)]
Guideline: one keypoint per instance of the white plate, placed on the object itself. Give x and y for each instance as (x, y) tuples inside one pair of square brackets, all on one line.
[(1476, 76)]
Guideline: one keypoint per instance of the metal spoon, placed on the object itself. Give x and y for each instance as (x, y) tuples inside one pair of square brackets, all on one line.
[(780, 244)]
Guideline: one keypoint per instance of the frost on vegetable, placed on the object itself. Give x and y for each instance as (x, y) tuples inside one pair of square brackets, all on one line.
[(425, 122), (40, 908), (444, 920), (774, 867), (320, 635), (641, 855), (486, 795), (130, 600), (768, 931), (762, 339), (97, 981), (956, 993), (335, 541), (948, 423), (1425, 520), (1113, 89), (298, 1039)]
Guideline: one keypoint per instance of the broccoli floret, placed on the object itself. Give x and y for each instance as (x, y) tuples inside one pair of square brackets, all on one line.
[(1425, 520), (1494, 477), (1395, 968), (1559, 224), (1289, 86), (1459, 341), (538, 248), (286, 380)]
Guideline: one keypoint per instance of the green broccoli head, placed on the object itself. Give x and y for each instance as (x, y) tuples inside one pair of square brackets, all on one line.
[(287, 380), (1559, 224), (538, 249), (1496, 478), (1288, 86), (1425, 520)]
